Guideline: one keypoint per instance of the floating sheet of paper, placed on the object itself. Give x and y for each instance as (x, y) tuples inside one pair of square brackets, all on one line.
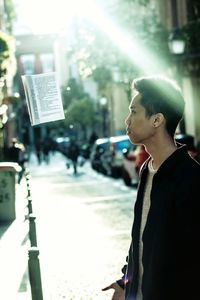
[(43, 98)]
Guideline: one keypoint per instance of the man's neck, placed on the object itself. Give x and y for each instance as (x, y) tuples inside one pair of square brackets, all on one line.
[(159, 152)]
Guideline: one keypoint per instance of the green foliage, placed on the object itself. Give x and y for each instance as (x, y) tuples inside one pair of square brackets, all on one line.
[(192, 28), (9, 14), (4, 48), (193, 10), (79, 107), (96, 53), (141, 2), (81, 112), (191, 32), (71, 91), (4, 53), (102, 75), (144, 25), (7, 56)]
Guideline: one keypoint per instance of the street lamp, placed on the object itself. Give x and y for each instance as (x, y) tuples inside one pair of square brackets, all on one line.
[(103, 102), (176, 43)]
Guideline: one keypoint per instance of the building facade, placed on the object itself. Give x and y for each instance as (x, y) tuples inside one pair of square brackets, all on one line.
[(182, 17)]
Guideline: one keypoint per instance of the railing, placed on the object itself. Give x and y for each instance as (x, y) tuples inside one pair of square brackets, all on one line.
[(33, 252)]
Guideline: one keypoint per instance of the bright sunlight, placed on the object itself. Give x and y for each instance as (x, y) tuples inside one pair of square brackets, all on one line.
[(56, 16)]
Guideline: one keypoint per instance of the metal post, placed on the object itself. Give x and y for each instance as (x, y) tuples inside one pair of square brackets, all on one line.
[(32, 230), (34, 274), (29, 192), (30, 207), (28, 186)]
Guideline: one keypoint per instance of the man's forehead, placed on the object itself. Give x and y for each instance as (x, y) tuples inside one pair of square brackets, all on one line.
[(135, 99), (134, 92)]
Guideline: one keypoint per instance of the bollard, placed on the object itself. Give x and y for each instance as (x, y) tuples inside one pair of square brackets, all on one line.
[(28, 192), (30, 207), (34, 274), (28, 176), (27, 173), (32, 230), (28, 186)]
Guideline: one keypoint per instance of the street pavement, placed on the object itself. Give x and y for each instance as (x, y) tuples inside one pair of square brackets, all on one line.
[(79, 254)]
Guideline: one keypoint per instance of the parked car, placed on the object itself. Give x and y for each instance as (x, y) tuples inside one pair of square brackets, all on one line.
[(134, 158), (112, 158), (132, 162), (188, 140), (107, 154)]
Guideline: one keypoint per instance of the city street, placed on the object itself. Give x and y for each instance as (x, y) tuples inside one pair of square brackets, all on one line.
[(83, 225), (121, 80)]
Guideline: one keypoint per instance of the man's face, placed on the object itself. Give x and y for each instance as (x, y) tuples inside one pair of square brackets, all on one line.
[(139, 125)]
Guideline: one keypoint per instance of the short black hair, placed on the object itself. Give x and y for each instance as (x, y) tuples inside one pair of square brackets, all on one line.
[(160, 94)]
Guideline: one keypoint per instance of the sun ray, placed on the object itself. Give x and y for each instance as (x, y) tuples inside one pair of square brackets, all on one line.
[(147, 61)]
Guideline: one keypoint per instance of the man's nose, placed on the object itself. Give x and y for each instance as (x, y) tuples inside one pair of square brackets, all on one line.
[(126, 121)]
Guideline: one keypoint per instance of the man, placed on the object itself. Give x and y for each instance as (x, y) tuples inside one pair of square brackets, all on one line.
[(164, 255)]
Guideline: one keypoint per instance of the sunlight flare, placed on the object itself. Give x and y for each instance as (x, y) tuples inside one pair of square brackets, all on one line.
[(133, 47)]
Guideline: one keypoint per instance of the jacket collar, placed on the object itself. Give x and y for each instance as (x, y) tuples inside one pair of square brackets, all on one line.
[(175, 158)]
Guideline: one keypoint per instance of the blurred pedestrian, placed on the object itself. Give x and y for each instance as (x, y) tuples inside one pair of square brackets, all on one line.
[(163, 262), (73, 153), (38, 151), (46, 148), (93, 138), (17, 153)]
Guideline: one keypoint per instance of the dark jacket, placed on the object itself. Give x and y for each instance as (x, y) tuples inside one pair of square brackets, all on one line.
[(171, 238), (73, 151)]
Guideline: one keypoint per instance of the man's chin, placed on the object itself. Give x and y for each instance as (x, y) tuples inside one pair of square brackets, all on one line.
[(131, 138)]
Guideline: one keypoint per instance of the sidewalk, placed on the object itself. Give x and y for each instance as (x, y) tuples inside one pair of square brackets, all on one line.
[(14, 244), (14, 237)]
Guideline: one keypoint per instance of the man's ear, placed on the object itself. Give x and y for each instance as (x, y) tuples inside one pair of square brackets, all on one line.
[(158, 119)]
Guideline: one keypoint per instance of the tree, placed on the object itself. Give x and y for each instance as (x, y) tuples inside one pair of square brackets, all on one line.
[(81, 115), (98, 56), (191, 29), (7, 62), (71, 91), (10, 14), (80, 110)]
